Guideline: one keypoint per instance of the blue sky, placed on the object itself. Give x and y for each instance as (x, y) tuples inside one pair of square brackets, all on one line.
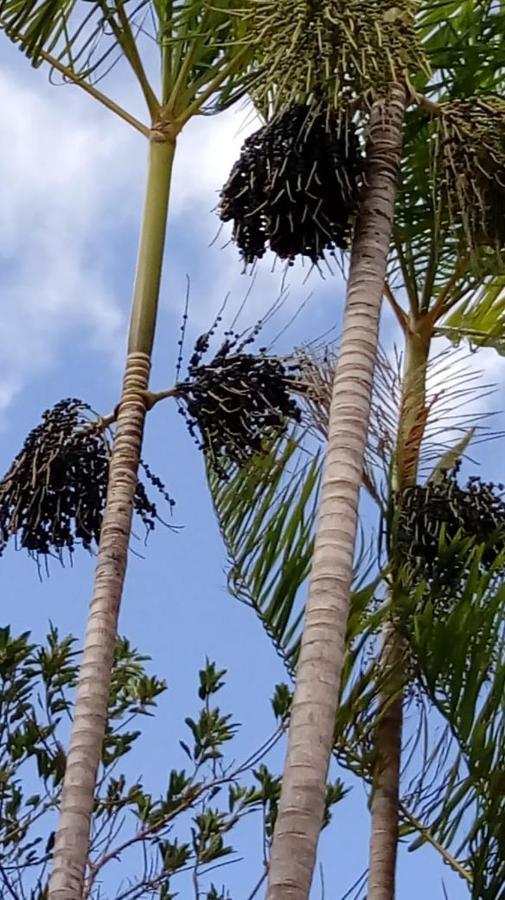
[(72, 184)]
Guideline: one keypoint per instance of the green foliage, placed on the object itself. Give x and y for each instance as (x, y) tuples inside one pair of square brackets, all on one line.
[(459, 660), (480, 318), (266, 513), (202, 58), (463, 42), (186, 828)]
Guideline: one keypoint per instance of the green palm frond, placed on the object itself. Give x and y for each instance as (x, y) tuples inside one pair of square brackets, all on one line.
[(81, 35), (480, 318), (203, 41), (203, 56), (463, 41), (460, 662), (266, 512)]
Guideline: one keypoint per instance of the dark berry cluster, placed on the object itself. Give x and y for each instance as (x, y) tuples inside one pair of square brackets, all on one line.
[(432, 515), (235, 401), (473, 159), (295, 186), (54, 494)]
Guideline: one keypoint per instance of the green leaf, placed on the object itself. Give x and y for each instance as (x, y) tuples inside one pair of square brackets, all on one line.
[(451, 456), (480, 319)]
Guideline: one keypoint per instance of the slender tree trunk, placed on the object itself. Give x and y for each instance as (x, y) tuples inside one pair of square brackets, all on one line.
[(90, 715), (388, 733), (312, 724), (386, 773)]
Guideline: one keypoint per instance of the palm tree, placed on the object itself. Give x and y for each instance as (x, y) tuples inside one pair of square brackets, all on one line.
[(322, 647), (436, 277), (446, 279), (201, 69), (267, 512), (308, 56)]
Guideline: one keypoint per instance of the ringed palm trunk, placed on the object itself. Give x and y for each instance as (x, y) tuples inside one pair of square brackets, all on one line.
[(388, 734), (90, 714), (312, 721)]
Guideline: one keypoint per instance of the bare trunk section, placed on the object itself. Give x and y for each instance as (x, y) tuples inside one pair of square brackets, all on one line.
[(71, 847), (389, 729), (386, 774), (312, 723)]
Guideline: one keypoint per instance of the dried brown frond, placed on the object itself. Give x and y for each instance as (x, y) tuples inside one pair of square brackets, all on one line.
[(451, 408)]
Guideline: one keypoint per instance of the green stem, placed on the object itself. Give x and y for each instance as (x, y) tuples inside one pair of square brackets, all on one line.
[(413, 412), (389, 728), (151, 247), (129, 45), (195, 107)]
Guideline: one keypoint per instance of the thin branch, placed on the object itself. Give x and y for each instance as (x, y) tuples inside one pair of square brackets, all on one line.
[(8, 884), (80, 82), (194, 879), (395, 306), (127, 42), (443, 301), (426, 833), (142, 835), (436, 109), (257, 886)]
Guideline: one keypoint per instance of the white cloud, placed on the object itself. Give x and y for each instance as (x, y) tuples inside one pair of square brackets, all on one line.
[(72, 185), (206, 151), (72, 180), (63, 176)]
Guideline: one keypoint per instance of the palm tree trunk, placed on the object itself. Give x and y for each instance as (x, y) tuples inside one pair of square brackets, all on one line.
[(388, 732), (386, 773), (312, 723), (72, 837)]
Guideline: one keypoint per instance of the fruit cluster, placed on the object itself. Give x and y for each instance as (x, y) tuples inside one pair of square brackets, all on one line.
[(54, 494), (433, 515), (295, 186), (340, 50), (236, 401), (473, 169)]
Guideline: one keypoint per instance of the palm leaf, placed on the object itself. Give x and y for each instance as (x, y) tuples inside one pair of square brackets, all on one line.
[(480, 318), (463, 41), (203, 54), (460, 664), (266, 513), (81, 35)]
